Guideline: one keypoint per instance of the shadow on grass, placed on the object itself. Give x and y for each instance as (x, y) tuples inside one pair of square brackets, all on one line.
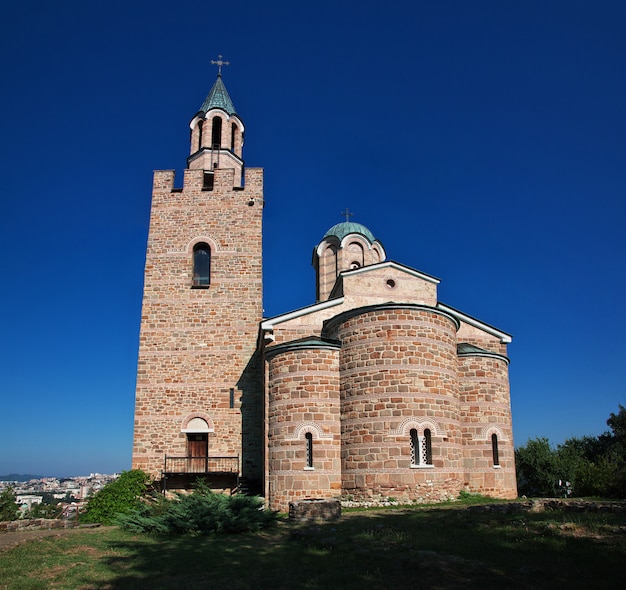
[(435, 548)]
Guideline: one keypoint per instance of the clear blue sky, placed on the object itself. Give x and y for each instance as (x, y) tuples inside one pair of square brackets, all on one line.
[(481, 142)]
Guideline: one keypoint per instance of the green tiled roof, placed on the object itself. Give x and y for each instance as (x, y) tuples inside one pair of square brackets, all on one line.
[(466, 348), (341, 230), (218, 98)]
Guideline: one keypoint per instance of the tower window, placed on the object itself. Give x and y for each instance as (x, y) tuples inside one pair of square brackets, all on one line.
[(494, 450), (200, 125), (216, 134), (201, 265), (233, 135), (208, 181), (309, 450)]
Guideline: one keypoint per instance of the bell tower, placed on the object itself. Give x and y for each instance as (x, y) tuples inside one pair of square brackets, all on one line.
[(198, 409), (217, 132)]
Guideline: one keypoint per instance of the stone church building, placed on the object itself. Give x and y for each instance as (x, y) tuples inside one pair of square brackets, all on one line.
[(376, 390)]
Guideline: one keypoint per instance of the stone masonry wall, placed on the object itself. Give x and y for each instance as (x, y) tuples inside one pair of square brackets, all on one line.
[(485, 409), (398, 371), (196, 344), (303, 397)]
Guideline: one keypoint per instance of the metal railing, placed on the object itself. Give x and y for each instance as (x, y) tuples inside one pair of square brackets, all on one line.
[(201, 464)]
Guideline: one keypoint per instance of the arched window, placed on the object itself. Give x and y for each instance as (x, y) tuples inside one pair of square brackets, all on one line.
[(494, 449), (309, 450), (200, 126), (201, 265), (415, 445), (216, 134), (427, 448), (233, 135)]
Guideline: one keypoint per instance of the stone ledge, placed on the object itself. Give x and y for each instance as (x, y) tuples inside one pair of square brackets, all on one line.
[(40, 524)]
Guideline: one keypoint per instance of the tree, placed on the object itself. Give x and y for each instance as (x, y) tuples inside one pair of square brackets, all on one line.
[(616, 454), (617, 423), (118, 496), (9, 510), (537, 468), (44, 511), (595, 465)]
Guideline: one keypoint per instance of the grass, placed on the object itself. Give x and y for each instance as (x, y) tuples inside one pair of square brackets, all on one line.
[(445, 547)]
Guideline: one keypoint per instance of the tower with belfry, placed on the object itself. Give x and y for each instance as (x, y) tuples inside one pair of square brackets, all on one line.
[(199, 388)]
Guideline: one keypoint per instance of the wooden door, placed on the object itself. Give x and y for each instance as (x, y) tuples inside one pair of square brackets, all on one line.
[(198, 451)]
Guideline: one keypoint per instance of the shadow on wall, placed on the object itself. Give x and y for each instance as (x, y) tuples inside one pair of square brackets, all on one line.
[(250, 384)]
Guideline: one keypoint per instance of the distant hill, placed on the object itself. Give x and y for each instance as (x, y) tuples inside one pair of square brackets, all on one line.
[(20, 477)]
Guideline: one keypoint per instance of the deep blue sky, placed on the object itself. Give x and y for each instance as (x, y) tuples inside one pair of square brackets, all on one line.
[(482, 142)]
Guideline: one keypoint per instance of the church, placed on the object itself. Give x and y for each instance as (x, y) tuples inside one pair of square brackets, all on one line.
[(377, 390)]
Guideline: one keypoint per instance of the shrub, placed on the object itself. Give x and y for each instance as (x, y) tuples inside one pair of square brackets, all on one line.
[(117, 497), (199, 513)]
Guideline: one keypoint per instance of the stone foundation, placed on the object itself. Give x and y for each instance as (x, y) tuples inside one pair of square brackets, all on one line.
[(321, 509)]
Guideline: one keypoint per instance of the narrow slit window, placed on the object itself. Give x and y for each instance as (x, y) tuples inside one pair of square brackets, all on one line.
[(494, 449), (233, 135), (216, 135), (414, 442), (309, 449), (427, 448), (200, 125), (201, 265)]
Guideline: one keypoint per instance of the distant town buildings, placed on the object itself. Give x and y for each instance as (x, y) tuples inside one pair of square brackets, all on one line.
[(67, 491)]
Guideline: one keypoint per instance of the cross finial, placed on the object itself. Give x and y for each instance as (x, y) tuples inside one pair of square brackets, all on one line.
[(219, 63), (347, 214)]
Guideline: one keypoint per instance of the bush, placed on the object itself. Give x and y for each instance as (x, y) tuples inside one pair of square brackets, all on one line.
[(117, 497), (199, 513), (9, 509)]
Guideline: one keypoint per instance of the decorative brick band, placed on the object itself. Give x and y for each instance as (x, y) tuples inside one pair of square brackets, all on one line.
[(303, 427), (405, 427), (487, 431)]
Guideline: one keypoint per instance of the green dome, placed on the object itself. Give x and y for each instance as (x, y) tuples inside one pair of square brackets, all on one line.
[(341, 230)]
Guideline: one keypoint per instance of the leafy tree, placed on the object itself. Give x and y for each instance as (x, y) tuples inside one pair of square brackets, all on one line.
[(616, 454), (617, 423), (118, 496), (9, 510), (595, 465), (537, 468), (44, 510)]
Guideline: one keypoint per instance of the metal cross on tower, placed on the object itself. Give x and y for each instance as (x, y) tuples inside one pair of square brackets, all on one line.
[(347, 214), (219, 63)]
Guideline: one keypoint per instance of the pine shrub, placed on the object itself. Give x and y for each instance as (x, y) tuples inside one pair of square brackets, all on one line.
[(201, 512)]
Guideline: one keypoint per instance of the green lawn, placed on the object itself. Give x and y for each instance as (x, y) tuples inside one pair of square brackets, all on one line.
[(447, 548)]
